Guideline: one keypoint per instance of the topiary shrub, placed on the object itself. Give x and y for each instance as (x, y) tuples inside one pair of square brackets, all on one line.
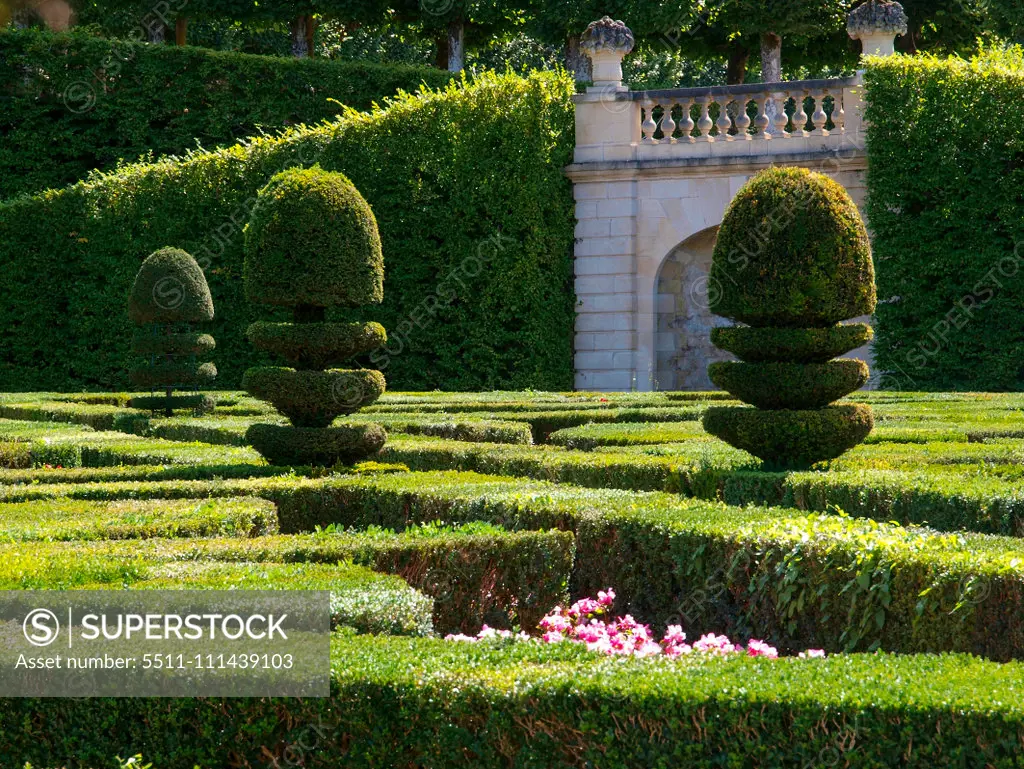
[(792, 259), (169, 295), (312, 243), (793, 252)]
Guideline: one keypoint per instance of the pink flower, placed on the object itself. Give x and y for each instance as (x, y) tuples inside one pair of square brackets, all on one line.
[(606, 597), (552, 637), (757, 648), (714, 644), (812, 653)]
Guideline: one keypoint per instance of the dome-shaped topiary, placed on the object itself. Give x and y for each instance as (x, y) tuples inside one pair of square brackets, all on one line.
[(792, 260), (170, 293), (312, 243), (793, 252), (312, 240), (170, 288)]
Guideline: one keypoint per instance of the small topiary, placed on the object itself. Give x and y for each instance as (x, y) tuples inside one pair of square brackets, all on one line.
[(792, 259), (312, 243), (170, 294)]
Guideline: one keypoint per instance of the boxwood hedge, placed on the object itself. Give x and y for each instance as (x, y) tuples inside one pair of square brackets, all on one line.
[(466, 184), (74, 102), (947, 220), (443, 705)]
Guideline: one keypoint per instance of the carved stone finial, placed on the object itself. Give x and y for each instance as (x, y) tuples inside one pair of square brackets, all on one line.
[(607, 34), (876, 24), (877, 17)]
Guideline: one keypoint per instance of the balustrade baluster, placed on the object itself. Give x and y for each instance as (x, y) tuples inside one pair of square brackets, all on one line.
[(799, 115), (648, 126), (724, 122), (819, 118), (763, 122), (705, 124), (668, 125), (686, 125), (781, 118), (742, 120)]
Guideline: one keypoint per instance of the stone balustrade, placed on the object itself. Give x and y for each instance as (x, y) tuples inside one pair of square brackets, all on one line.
[(798, 117)]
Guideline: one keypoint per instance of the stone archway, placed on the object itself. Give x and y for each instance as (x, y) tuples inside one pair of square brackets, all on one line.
[(684, 320)]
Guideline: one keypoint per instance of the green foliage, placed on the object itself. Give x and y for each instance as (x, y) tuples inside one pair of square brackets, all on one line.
[(170, 288), (145, 342), (428, 697), (134, 519), (287, 445), (312, 240), (360, 599), (793, 252), (796, 345), (316, 345), (792, 259), (481, 296), (199, 403), (790, 385), (591, 436), (791, 439), (171, 374), (946, 218), (314, 398), (74, 102)]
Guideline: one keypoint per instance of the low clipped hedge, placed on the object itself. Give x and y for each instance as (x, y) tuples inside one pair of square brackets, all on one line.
[(360, 599), (799, 580), (475, 574), (135, 519), (442, 704), (75, 102), (589, 437), (482, 294)]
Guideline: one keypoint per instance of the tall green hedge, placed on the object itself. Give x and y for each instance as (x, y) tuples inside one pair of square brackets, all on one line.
[(946, 207), (476, 223), (72, 102)]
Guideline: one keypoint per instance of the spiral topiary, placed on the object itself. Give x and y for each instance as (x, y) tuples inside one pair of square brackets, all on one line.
[(312, 243), (792, 260), (169, 295)]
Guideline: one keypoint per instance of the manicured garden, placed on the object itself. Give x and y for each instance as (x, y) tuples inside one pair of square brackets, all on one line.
[(337, 357), (492, 509)]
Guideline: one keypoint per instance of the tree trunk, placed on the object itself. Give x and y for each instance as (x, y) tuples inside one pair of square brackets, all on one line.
[(456, 45), (771, 58), (736, 69), (577, 62), (180, 30), (300, 47), (441, 57), (310, 36)]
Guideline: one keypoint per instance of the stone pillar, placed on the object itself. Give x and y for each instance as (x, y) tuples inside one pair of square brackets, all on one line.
[(877, 24), (607, 129)]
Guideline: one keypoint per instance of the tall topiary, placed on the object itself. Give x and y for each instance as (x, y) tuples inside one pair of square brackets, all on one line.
[(312, 243), (792, 260), (169, 295)]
